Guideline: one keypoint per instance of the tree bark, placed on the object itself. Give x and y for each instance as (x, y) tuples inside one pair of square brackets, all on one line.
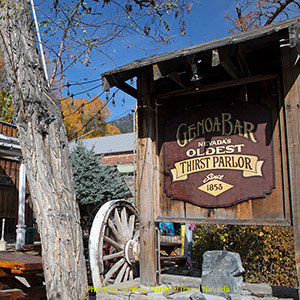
[(42, 136)]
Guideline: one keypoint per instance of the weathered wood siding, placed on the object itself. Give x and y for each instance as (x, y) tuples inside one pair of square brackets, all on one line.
[(8, 129), (9, 182)]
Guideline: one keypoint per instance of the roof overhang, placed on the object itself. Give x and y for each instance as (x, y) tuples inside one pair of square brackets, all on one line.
[(9, 146), (211, 65)]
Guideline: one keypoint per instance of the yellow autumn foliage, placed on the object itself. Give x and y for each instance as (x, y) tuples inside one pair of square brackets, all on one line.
[(6, 108), (86, 119), (267, 252)]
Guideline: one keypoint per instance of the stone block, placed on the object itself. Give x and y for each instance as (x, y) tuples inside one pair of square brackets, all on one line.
[(222, 273), (234, 297)]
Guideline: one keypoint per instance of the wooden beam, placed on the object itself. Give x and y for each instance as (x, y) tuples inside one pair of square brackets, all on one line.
[(128, 89), (230, 68), (291, 89), (145, 181), (175, 77), (243, 61), (216, 221), (219, 85)]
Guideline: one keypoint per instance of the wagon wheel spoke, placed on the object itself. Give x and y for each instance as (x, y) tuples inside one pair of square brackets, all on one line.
[(130, 275), (126, 274), (113, 270), (131, 225), (121, 273), (114, 255), (113, 228), (124, 223), (113, 243), (117, 234), (117, 220)]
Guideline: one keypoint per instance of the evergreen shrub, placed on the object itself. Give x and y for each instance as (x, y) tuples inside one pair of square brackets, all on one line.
[(95, 183)]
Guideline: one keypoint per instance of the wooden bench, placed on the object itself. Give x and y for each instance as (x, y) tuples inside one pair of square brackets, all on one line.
[(11, 294), (14, 265)]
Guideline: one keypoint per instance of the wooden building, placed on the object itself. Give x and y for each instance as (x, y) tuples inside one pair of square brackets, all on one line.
[(218, 134), (10, 155)]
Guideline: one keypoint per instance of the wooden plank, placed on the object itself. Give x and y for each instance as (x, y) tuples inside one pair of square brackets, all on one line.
[(291, 87), (11, 294), (146, 196), (21, 261), (10, 130), (15, 131), (198, 220), (157, 163), (272, 206), (166, 207), (284, 159), (220, 85)]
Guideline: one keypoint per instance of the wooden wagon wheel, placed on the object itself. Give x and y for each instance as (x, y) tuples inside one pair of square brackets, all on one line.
[(114, 243)]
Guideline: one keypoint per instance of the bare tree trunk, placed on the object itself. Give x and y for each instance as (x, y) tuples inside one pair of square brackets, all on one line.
[(45, 149)]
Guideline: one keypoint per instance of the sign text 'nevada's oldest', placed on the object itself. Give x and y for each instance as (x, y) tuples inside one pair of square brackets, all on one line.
[(219, 154)]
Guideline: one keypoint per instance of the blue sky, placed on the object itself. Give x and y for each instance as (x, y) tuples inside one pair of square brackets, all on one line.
[(205, 22)]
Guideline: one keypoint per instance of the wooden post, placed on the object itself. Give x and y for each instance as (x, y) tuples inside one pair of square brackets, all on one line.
[(21, 227), (188, 240), (146, 182), (291, 88)]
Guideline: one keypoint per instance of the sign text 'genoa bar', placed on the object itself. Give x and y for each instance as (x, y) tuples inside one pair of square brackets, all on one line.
[(219, 154)]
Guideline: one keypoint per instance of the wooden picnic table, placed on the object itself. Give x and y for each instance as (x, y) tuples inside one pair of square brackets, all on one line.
[(15, 264)]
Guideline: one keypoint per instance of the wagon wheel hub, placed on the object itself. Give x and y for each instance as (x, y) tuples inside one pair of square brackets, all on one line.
[(132, 251)]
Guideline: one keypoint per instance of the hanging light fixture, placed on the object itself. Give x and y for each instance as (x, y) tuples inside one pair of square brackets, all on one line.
[(196, 76)]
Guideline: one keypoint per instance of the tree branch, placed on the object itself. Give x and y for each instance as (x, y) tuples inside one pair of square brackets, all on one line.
[(66, 30), (278, 11)]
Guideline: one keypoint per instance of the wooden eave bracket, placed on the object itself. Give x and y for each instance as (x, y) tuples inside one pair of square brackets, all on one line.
[(175, 77), (157, 72), (105, 84), (219, 57), (128, 89), (230, 68), (122, 85), (215, 58), (162, 71)]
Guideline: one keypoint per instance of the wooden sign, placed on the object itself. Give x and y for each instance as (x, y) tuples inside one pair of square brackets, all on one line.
[(219, 155)]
